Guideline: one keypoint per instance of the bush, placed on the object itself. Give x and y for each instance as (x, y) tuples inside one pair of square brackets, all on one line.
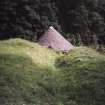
[(26, 19)]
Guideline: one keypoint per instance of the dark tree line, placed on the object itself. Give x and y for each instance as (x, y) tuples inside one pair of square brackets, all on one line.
[(30, 18), (26, 18), (84, 17)]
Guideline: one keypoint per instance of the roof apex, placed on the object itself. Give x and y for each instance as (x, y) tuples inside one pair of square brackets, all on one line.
[(51, 27)]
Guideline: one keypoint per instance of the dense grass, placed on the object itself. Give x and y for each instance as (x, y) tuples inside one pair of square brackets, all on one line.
[(83, 72), (33, 75), (27, 73)]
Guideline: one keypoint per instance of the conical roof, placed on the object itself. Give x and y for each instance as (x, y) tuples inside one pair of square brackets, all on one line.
[(53, 39)]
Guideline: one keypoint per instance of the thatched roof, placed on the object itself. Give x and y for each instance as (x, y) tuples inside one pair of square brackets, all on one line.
[(53, 39)]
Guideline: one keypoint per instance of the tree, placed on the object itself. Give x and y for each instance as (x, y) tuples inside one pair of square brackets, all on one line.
[(26, 18)]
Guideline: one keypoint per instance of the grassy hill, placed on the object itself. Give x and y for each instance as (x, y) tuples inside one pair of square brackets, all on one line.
[(34, 75)]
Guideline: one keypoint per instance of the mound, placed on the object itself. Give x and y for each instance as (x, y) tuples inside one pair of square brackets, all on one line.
[(34, 75), (83, 70), (27, 74)]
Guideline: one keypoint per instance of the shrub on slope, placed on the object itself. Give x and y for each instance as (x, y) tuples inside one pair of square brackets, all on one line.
[(83, 70)]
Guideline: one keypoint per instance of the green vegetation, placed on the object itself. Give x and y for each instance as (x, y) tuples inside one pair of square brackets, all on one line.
[(84, 76), (27, 73), (34, 75)]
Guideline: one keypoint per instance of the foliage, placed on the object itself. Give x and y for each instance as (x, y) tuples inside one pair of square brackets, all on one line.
[(26, 18), (85, 17)]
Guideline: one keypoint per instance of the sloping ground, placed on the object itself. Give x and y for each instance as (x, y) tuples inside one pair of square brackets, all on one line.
[(27, 74), (83, 72), (33, 75)]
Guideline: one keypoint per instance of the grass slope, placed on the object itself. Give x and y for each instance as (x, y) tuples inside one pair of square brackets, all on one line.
[(33, 75), (83, 72), (27, 73)]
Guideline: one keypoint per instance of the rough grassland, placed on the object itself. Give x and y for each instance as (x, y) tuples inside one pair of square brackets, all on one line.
[(83, 72), (27, 73), (33, 75)]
